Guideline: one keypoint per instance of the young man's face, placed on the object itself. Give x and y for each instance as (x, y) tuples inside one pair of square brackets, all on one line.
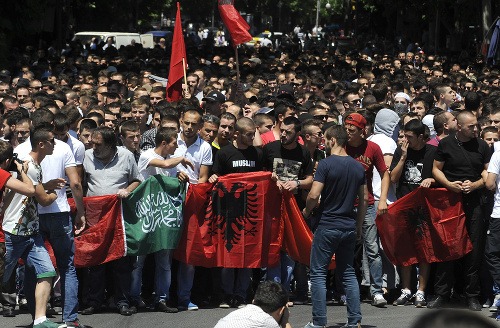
[(131, 140), (169, 148), (140, 114), (84, 137), (490, 138), (226, 129)]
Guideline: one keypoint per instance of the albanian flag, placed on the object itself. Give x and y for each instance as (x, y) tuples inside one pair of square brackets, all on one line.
[(237, 26), (234, 223), (427, 225), (177, 61)]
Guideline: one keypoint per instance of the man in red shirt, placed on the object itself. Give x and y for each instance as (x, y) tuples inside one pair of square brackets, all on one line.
[(370, 156)]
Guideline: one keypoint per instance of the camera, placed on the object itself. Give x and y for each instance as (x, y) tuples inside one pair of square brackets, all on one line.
[(13, 166)]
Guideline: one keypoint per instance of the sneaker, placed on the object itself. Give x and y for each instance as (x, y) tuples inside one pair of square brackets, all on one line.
[(420, 300), (311, 325), (496, 304), (379, 300), (47, 324), (403, 299), (163, 307), (343, 300), (358, 325), (238, 302), (188, 307), (225, 304), (487, 304), (71, 324)]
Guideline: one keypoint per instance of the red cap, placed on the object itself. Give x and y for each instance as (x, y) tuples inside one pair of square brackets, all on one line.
[(356, 119)]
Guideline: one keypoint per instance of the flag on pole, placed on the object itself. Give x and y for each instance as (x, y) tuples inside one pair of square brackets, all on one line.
[(177, 61), (237, 26)]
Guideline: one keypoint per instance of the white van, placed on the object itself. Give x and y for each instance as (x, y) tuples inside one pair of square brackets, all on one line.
[(119, 38)]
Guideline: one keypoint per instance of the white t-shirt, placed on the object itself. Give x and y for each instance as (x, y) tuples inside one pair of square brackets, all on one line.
[(53, 166), (21, 217), (78, 149), (147, 171), (388, 146), (494, 167), (199, 153), (251, 316)]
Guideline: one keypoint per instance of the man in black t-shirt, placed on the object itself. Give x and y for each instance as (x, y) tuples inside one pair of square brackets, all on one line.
[(242, 158), (460, 165), (292, 169), (411, 168)]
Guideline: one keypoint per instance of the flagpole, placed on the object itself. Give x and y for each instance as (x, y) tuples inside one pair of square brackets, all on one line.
[(237, 65), (184, 70)]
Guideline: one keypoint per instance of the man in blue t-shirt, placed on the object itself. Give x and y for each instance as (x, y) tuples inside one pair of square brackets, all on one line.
[(339, 179)]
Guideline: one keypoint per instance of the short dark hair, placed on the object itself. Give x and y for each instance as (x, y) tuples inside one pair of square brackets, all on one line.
[(339, 133), (107, 134), (165, 134), (415, 126), (129, 126), (292, 120), (40, 134), (270, 296), (489, 129), (61, 122), (87, 123), (41, 116)]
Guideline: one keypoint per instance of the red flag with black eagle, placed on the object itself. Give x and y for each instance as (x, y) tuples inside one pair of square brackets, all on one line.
[(237, 26), (234, 223), (427, 225), (177, 61)]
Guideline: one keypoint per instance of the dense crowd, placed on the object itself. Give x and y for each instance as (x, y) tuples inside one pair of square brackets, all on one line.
[(95, 122)]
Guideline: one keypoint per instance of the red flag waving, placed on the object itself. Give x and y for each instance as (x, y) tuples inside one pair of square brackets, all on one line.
[(237, 26), (427, 225), (177, 61), (234, 223)]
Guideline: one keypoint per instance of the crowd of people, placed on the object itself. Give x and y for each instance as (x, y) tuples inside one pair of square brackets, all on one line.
[(347, 134)]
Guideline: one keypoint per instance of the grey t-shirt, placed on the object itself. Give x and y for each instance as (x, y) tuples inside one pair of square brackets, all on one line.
[(107, 179)]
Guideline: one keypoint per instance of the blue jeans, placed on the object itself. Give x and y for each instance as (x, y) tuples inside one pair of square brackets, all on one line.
[(163, 276), (372, 250), (185, 277), (282, 271), (327, 242), (36, 258), (57, 228)]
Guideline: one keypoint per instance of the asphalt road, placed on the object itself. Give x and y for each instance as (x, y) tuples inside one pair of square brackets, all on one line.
[(390, 317)]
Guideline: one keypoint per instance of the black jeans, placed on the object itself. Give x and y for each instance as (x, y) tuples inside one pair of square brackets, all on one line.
[(475, 222), (95, 282), (8, 294), (493, 249)]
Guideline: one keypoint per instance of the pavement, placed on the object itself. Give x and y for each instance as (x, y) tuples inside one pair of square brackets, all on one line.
[(389, 317)]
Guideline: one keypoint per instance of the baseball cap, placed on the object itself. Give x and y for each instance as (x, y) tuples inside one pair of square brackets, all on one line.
[(215, 96), (285, 91), (356, 119)]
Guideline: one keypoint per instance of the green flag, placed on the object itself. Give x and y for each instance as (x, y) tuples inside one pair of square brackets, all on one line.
[(153, 215)]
